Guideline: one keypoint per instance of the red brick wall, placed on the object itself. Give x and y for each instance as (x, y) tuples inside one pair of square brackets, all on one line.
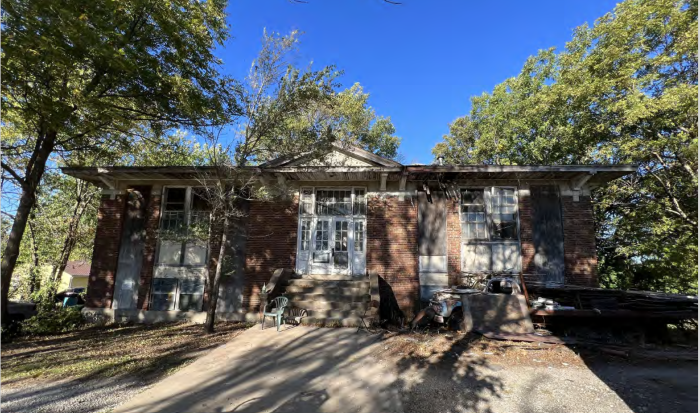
[(105, 252), (454, 242), (271, 244), (579, 241), (149, 250), (392, 248)]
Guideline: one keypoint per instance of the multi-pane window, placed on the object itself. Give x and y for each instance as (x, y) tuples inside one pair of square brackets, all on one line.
[(322, 235), (305, 234), (489, 230), (163, 294), (503, 214), (333, 202), (184, 227), (341, 236), (191, 294), (359, 207), (473, 214), (182, 250), (359, 236), (307, 197)]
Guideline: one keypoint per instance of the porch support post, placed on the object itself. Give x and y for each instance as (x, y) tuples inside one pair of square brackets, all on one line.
[(402, 185), (578, 182), (382, 182)]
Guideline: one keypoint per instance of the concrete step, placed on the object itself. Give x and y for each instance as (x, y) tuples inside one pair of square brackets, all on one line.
[(349, 298), (348, 292), (328, 305), (305, 282), (329, 313), (352, 321), (330, 277)]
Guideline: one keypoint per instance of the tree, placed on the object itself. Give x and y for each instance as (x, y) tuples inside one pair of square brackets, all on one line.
[(353, 122), (623, 91), (62, 224), (272, 98), (83, 75)]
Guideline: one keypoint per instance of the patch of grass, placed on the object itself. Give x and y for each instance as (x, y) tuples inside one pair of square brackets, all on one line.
[(148, 351)]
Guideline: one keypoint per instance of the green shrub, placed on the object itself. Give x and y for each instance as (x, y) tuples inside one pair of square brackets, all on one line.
[(59, 320)]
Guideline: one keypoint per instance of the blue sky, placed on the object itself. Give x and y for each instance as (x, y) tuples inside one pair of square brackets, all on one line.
[(420, 61)]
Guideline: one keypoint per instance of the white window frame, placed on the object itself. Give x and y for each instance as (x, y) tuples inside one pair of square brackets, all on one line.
[(187, 217), (489, 241)]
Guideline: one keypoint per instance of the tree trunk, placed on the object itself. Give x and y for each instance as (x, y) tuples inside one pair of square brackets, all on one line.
[(69, 242), (216, 282), (35, 170), (34, 272)]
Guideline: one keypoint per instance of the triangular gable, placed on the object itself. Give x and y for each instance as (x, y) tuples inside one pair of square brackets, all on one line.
[(339, 155)]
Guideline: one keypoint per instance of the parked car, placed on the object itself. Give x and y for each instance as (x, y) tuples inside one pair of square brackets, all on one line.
[(70, 297)]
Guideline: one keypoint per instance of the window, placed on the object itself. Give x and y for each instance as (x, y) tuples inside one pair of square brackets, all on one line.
[(474, 214), (163, 295), (191, 293), (184, 227), (182, 250), (305, 234), (306, 207), (322, 235), (359, 236), (503, 214), (359, 207), (489, 219), (332, 202)]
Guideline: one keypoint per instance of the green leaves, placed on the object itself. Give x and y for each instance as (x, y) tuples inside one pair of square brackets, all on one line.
[(623, 91)]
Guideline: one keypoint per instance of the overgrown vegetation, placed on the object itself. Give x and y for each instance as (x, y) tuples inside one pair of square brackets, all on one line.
[(624, 91), (60, 320)]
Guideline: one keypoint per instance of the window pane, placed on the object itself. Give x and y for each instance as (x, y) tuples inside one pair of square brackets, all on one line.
[(199, 200), (360, 205), (359, 236), (190, 302), (175, 199), (305, 234), (504, 230), (163, 295), (306, 201), (473, 196)]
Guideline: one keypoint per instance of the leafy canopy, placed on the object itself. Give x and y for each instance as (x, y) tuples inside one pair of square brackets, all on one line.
[(623, 91)]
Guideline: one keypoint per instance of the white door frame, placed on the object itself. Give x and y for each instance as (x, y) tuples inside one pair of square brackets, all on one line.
[(356, 260)]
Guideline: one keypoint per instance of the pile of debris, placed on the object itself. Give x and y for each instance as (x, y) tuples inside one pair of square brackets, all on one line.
[(564, 296)]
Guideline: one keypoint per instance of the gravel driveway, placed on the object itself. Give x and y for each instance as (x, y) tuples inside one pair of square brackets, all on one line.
[(97, 395)]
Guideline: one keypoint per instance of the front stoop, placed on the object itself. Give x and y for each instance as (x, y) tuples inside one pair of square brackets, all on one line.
[(330, 300)]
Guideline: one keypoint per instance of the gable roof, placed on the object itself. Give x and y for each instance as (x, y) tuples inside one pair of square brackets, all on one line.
[(78, 268), (366, 157)]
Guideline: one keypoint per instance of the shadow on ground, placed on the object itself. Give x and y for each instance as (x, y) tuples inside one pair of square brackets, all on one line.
[(306, 369)]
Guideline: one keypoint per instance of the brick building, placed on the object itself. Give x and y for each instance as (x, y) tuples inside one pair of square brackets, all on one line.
[(333, 221)]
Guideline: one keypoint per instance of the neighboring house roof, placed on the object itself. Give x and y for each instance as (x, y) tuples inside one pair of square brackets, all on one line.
[(346, 163), (78, 268)]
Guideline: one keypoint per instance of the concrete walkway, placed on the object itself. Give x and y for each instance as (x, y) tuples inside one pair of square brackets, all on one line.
[(300, 369)]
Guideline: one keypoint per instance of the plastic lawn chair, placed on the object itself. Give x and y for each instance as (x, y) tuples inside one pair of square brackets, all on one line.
[(276, 312)]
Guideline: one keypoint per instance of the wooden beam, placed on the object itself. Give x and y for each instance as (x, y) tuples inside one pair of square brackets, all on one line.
[(382, 181)]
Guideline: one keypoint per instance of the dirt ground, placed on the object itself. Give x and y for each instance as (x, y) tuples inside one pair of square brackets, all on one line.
[(453, 372)]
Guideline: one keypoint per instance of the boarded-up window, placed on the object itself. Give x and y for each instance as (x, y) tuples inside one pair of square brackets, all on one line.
[(490, 236)]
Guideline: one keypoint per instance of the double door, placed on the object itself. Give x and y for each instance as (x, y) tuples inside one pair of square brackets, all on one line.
[(337, 246)]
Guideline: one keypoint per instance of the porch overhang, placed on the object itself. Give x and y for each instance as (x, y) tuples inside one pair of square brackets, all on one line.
[(576, 175)]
